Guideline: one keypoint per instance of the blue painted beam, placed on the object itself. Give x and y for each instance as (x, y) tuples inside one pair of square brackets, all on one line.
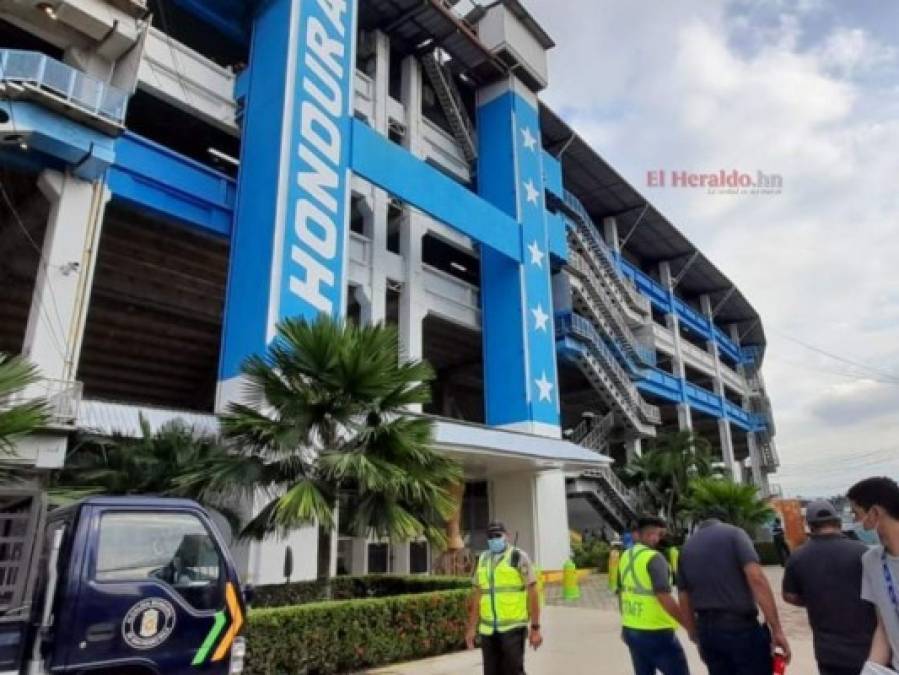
[(646, 285), (661, 384), (84, 151), (156, 179), (394, 169)]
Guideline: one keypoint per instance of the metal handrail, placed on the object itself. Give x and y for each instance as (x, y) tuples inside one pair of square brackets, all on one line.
[(59, 80), (586, 225), (606, 473), (62, 398), (583, 329), (641, 349)]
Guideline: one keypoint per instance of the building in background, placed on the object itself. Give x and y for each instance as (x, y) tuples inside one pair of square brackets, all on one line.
[(179, 174)]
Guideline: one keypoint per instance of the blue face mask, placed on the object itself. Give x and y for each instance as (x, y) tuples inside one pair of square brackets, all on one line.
[(497, 545), (868, 537)]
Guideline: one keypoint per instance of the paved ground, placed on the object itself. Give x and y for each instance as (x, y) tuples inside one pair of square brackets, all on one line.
[(583, 637)]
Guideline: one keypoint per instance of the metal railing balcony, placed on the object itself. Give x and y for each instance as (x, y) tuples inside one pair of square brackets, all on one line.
[(61, 84), (63, 399), (594, 434), (622, 288), (603, 306), (628, 496), (630, 400)]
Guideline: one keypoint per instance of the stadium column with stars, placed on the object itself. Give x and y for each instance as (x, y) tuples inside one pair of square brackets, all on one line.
[(520, 379)]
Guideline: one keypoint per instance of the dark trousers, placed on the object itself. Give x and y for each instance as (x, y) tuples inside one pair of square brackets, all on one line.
[(783, 551), (744, 651), (656, 650), (504, 652), (838, 670)]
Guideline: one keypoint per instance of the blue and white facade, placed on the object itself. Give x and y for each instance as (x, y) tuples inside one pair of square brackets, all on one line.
[(181, 175)]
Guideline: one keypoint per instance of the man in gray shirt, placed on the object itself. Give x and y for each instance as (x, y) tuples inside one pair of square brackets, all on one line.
[(721, 583), (875, 502), (824, 575)]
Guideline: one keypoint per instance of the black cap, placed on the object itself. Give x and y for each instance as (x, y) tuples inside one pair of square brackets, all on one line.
[(495, 528), (821, 511)]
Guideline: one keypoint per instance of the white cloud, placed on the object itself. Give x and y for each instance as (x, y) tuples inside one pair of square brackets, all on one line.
[(675, 89)]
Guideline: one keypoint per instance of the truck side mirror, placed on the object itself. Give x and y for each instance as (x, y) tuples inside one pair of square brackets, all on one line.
[(288, 564)]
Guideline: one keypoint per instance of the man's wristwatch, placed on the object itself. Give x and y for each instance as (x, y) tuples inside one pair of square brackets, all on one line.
[(535, 626)]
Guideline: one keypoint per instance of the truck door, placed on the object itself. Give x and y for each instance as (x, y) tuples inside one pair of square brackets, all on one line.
[(155, 589)]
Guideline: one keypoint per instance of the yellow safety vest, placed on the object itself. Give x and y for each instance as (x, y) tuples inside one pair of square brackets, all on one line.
[(504, 597), (640, 609)]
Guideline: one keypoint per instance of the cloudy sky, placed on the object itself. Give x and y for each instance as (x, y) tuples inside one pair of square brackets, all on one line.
[(809, 90)]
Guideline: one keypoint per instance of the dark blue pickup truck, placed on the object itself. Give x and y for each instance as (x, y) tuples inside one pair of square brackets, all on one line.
[(116, 585)]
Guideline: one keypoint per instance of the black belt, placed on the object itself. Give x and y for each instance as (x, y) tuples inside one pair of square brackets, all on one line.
[(726, 619)]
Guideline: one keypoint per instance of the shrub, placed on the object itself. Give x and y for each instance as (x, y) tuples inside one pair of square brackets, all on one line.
[(592, 553), (348, 588), (349, 635), (767, 553)]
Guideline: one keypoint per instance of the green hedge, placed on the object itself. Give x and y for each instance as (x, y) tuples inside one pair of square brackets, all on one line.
[(592, 553), (347, 588), (351, 635), (767, 552)]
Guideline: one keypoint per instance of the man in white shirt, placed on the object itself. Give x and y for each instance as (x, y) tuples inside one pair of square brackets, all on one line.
[(875, 502)]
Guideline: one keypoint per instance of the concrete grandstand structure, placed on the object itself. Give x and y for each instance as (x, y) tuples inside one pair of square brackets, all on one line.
[(179, 174)]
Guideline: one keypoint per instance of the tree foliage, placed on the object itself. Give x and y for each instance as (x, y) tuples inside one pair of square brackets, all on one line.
[(150, 464), (326, 410), (663, 473), (19, 417), (734, 503)]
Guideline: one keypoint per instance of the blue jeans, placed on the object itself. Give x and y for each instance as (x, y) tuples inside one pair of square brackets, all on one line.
[(656, 650), (745, 651)]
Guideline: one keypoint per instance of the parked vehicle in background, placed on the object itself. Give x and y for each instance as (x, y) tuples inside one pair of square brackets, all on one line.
[(124, 585)]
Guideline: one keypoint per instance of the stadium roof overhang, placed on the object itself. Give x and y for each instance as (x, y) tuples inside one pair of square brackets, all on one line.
[(603, 192), (421, 25)]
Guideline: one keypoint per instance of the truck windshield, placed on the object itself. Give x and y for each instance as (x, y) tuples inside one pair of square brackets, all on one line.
[(174, 548)]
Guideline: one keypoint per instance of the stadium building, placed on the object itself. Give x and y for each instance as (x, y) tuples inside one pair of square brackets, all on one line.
[(178, 175)]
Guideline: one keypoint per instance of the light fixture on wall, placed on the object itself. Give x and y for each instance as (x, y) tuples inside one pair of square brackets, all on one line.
[(47, 9)]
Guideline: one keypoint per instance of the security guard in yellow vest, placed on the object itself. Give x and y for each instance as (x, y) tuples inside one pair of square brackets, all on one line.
[(649, 612), (504, 604)]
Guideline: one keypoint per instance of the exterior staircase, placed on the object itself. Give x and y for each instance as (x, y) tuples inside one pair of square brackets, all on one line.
[(451, 103), (580, 343)]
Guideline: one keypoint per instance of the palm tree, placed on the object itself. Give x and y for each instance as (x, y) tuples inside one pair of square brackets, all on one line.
[(735, 503), (663, 473), (147, 465), (18, 418), (326, 411)]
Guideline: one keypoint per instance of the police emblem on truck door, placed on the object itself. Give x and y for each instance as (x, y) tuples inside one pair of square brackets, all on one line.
[(148, 623)]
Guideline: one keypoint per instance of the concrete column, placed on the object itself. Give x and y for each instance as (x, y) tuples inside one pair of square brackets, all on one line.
[(755, 460), (399, 557), (411, 92), (378, 298), (382, 81), (727, 450), (412, 296), (533, 506), (633, 448), (610, 230), (414, 226), (360, 556), (553, 546), (59, 304), (684, 415), (62, 289)]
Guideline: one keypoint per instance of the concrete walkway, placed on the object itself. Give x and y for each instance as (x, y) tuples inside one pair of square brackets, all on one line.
[(586, 639)]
